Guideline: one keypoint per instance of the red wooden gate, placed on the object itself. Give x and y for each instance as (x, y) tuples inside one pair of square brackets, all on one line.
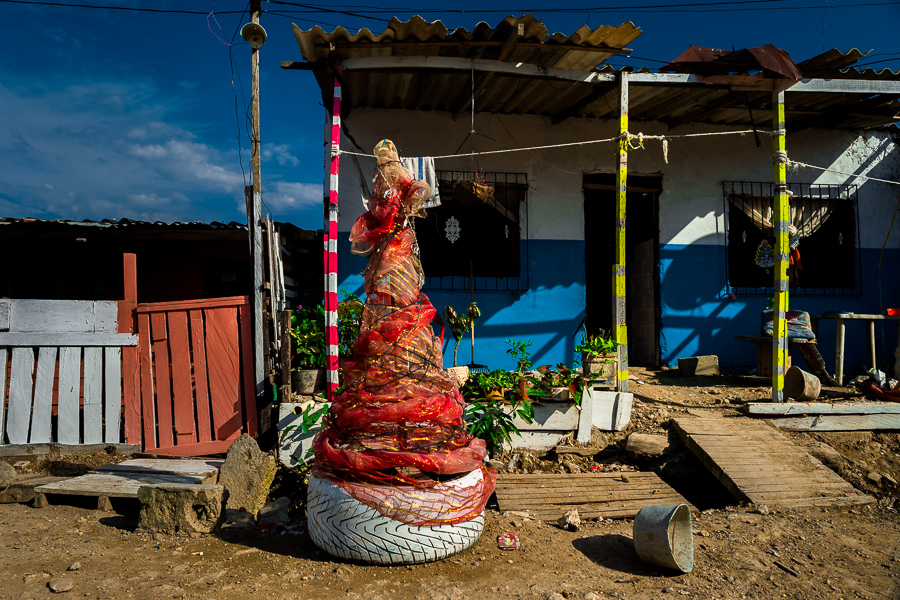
[(196, 376)]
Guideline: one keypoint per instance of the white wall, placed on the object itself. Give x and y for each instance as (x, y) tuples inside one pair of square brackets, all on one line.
[(691, 203)]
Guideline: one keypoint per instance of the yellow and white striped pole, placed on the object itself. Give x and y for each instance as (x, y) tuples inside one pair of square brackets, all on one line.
[(619, 287), (782, 239)]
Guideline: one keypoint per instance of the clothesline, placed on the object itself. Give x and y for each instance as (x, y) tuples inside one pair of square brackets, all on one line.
[(630, 136), (794, 163)]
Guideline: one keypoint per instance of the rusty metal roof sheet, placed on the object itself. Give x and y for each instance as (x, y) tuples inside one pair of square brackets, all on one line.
[(526, 40)]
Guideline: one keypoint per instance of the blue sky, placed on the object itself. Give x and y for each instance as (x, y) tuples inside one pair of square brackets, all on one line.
[(125, 114)]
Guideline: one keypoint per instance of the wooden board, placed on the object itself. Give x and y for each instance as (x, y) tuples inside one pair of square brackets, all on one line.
[(165, 466), (770, 409), (839, 423), (123, 480), (21, 489), (548, 497), (112, 485), (758, 464)]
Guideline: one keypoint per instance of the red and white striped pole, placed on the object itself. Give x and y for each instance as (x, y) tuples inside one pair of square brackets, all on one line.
[(331, 220)]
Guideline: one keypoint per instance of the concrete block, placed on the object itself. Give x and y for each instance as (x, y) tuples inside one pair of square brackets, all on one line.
[(247, 474), (181, 508), (699, 365), (611, 411), (293, 444)]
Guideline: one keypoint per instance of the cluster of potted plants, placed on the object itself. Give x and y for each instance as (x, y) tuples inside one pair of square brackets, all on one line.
[(308, 341)]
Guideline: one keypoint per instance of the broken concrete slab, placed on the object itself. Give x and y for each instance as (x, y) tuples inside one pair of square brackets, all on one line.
[(181, 508), (7, 474), (247, 474)]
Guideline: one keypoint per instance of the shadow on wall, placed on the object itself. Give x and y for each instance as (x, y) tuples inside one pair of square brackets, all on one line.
[(698, 314)]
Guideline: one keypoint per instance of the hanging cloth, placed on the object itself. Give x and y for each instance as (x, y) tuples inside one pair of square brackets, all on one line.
[(422, 167)]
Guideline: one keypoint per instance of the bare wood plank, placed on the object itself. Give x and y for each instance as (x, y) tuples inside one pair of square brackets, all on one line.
[(163, 388), (192, 304), (131, 382), (42, 406), (63, 316), (21, 384), (819, 408), (21, 489), (148, 409), (42, 450), (112, 485), (839, 423), (182, 392), (67, 339), (3, 355), (93, 396), (68, 411), (206, 468), (247, 361), (201, 384), (112, 394), (224, 376)]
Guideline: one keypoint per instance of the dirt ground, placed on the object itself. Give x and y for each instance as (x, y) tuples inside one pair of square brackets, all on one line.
[(739, 551)]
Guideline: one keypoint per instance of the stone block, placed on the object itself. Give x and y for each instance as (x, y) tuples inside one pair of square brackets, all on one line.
[(699, 365), (247, 475), (181, 508), (643, 445)]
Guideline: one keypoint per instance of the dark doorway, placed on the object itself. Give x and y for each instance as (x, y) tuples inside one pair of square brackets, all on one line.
[(641, 260)]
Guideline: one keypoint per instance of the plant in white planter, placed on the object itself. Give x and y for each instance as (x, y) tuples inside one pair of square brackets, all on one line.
[(308, 356), (598, 355)]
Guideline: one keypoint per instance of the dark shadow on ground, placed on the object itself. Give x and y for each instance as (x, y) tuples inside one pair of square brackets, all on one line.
[(616, 552)]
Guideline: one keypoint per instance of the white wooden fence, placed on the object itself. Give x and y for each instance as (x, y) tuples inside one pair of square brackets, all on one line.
[(77, 375)]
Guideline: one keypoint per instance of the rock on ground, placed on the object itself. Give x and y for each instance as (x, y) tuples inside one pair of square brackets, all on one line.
[(7, 474), (181, 508), (275, 512), (644, 445), (247, 474)]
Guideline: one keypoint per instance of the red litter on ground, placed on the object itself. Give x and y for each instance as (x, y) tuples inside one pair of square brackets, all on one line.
[(508, 541)]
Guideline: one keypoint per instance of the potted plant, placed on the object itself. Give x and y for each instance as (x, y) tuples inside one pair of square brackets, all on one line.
[(598, 356), (308, 357)]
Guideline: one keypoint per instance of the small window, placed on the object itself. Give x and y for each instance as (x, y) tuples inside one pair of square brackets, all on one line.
[(476, 234), (824, 238)]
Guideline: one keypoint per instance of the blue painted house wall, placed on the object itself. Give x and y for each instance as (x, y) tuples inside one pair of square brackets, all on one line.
[(698, 315)]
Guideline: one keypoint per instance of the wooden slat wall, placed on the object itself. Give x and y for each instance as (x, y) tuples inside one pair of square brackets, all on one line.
[(61, 365), (195, 395)]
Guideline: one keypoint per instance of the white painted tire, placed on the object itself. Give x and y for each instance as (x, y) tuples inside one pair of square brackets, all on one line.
[(347, 528)]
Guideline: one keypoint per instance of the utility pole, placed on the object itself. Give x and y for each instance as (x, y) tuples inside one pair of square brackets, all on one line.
[(255, 214)]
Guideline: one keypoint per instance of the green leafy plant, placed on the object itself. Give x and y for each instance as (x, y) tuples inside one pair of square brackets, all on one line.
[(310, 417), (350, 311), (481, 385), (520, 353), (595, 346), (460, 324), (308, 335), (493, 421)]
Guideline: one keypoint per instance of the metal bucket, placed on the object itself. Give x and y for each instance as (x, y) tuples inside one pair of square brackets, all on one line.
[(663, 536), (800, 385)]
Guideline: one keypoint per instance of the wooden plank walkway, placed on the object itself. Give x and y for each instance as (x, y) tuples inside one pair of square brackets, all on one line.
[(758, 464), (123, 480), (607, 495)]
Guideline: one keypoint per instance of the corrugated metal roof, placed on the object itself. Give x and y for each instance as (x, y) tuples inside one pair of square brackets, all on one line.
[(585, 50), (126, 223)]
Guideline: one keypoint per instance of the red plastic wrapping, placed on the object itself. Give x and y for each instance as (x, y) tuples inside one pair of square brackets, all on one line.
[(395, 436)]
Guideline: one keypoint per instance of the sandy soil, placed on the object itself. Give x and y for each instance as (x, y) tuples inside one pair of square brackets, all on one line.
[(740, 551)]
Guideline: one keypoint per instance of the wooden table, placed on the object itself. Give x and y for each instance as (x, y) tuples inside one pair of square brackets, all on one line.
[(840, 319)]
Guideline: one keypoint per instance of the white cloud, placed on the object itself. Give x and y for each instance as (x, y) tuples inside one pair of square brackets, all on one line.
[(291, 196), (280, 153)]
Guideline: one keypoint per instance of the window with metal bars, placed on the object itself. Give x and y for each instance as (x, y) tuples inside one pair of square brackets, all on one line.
[(472, 240), (824, 257)]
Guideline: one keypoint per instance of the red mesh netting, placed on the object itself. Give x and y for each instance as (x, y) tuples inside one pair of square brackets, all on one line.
[(395, 435)]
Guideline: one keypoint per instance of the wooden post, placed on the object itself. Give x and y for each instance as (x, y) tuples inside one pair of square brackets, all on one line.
[(331, 220), (285, 323), (619, 287), (782, 238), (131, 383), (839, 330), (870, 330), (253, 220)]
